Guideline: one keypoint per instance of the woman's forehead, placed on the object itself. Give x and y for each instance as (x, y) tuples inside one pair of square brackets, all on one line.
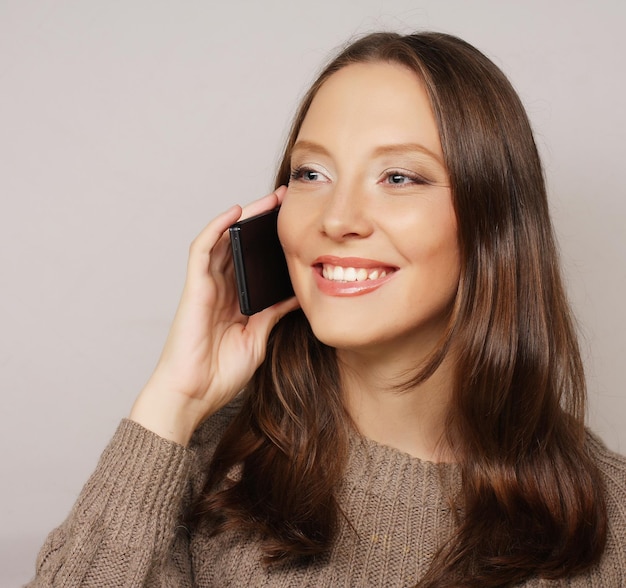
[(373, 104)]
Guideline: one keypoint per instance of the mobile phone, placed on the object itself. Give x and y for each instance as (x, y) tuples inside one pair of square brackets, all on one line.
[(260, 266)]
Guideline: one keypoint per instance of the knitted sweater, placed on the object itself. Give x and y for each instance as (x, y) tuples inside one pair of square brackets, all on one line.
[(125, 530)]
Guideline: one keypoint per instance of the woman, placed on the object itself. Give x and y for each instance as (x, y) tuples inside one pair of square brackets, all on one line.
[(419, 421)]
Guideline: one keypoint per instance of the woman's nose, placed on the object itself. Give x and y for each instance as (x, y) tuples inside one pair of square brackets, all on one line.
[(346, 214)]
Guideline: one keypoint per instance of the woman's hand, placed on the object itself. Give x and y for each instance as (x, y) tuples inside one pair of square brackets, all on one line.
[(212, 350)]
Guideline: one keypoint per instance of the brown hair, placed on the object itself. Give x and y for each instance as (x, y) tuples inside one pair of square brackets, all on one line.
[(532, 499)]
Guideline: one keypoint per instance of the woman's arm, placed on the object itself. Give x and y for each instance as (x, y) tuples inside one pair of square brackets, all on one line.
[(212, 350), (124, 529)]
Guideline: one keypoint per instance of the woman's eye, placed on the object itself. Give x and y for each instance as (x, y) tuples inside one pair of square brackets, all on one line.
[(400, 179), (311, 175), (306, 175)]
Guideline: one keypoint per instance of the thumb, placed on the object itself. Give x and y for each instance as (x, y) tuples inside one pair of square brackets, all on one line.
[(263, 322)]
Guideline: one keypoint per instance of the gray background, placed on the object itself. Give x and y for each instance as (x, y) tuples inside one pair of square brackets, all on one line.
[(126, 125)]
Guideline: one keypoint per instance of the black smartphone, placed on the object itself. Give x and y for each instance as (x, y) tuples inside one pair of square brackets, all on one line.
[(260, 266)]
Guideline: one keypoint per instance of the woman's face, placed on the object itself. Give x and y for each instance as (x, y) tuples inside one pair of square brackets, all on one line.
[(367, 223)]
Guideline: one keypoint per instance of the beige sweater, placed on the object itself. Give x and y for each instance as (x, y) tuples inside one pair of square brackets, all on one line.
[(125, 531)]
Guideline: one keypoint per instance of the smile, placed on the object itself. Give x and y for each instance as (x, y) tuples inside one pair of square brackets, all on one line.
[(338, 273), (350, 276)]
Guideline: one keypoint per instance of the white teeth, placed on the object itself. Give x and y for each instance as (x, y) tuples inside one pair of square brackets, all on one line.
[(337, 273), (349, 274)]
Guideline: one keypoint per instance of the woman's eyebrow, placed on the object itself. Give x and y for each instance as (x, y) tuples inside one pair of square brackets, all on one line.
[(310, 146), (407, 149), (392, 149)]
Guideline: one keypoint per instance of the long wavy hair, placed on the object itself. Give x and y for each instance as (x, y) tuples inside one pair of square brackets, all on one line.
[(532, 498)]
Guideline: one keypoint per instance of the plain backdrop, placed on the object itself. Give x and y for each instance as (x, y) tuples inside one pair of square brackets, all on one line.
[(125, 126)]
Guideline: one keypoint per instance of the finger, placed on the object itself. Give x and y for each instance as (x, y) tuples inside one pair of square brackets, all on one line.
[(269, 202), (210, 235), (221, 257), (204, 243), (263, 322), (280, 193)]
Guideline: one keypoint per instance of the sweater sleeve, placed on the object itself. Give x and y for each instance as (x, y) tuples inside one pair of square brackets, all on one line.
[(124, 528)]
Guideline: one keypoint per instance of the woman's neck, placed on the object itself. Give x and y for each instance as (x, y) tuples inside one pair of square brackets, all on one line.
[(411, 419)]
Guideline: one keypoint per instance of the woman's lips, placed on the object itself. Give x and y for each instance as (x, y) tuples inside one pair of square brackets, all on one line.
[(350, 276)]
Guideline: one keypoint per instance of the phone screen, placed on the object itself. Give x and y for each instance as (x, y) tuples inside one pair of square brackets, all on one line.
[(260, 266)]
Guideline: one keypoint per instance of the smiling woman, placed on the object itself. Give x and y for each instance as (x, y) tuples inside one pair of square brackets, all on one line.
[(369, 193), (419, 420)]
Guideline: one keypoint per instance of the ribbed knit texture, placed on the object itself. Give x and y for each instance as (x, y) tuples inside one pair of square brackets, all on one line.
[(125, 530)]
